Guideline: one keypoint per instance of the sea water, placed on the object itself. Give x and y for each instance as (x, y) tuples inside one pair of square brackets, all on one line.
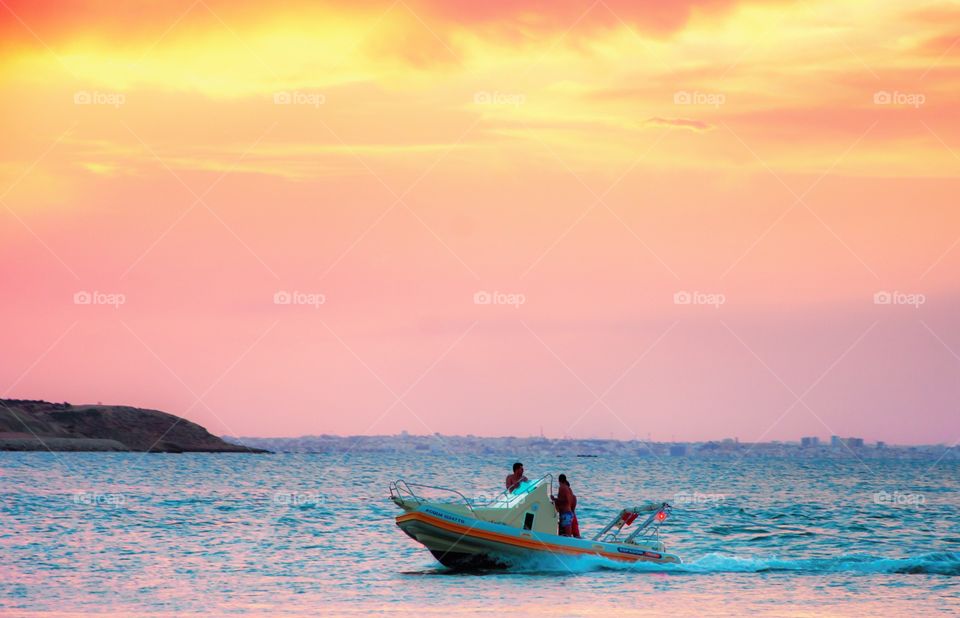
[(313, 534)]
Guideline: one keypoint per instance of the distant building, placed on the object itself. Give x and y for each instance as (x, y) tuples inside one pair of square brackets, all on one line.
[(836, 441), (881, 444), (678, 450), (810, 441)]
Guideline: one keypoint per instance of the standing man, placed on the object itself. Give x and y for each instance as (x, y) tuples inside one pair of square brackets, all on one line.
[(514, 480), (564, 502)]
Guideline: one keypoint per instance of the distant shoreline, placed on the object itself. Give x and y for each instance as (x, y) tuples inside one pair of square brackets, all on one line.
[(583, 447), (36, 425)]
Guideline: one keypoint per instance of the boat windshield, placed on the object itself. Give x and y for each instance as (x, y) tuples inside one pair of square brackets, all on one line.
[(508, 500)]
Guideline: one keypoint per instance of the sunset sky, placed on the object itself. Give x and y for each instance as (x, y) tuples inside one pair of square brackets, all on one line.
[(172, 173)]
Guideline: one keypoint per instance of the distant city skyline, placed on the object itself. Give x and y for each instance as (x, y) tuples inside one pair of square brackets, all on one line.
[(821, 441), (513, 447)]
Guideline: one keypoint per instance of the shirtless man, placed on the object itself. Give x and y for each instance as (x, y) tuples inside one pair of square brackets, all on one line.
[(513, 480), (565, 502)]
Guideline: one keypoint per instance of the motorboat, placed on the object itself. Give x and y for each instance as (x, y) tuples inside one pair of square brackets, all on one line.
[(463, 533)]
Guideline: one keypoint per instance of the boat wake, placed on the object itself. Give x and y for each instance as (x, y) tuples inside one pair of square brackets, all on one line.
[(938, 563)]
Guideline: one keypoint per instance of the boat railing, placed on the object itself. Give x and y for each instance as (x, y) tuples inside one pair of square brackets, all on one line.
[(649, 529), (402, 491)]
